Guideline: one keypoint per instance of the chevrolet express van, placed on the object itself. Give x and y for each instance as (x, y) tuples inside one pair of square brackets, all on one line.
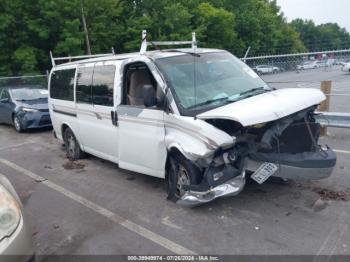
[(199, 118)]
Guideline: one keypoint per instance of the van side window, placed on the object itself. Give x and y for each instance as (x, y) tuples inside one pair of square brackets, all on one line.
[(103, 85), (136, 76), (62, 84), (84, 81)]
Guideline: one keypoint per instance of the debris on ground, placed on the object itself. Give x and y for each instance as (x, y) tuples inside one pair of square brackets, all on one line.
[(319, 205), (69, 165), (48, 167), (327, 194), (40, 180)]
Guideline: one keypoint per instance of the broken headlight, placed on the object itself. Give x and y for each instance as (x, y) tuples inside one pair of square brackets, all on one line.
[(10, 213)]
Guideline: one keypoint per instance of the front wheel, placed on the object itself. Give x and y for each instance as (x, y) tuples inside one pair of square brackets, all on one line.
[(73, 149), (181, 172), (17, 124)]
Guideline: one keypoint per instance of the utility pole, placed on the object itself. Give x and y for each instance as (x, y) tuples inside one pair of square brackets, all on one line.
[(86, 33)]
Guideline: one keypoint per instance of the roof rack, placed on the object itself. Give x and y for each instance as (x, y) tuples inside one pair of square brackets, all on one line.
[(70, 58), (144, 43)]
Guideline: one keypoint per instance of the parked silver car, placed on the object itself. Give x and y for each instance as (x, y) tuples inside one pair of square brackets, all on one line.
[(15, 235)]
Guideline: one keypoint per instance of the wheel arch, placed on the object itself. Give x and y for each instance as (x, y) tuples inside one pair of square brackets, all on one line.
[(64, 126)]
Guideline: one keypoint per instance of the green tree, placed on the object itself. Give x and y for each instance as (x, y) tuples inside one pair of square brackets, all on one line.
[(328, 36)]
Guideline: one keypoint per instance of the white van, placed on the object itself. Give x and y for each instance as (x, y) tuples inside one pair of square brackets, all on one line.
[(199, 118)]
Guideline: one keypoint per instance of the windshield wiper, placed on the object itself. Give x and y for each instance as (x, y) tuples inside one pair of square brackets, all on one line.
[(253, 90), (210, 101), (23, 100), (249, 92), (180, 51)]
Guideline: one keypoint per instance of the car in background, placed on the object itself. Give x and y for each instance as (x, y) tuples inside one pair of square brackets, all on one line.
[(308, 65), (24, 107), (15, 236), (346, 67), (266, 69), (344, 62), (322, 63)]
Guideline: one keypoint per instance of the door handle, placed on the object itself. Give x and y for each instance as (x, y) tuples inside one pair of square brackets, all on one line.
[(114, 117)]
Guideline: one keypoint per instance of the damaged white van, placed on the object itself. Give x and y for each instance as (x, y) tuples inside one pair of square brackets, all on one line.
[(199, 118)]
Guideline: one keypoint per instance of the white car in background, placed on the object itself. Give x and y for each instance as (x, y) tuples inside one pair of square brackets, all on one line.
[(346, 67), (308, 65), (266, 69)]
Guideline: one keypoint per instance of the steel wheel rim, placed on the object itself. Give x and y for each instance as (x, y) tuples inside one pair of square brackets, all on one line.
[(17, 124), (182, 180), (71, 145)]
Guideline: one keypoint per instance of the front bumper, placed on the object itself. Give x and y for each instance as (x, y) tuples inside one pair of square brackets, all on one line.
[(18, 247), (303, 166), (231, 187), (35, 119)]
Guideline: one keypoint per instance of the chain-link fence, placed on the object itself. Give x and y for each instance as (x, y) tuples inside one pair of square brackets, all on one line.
[(298, 61), (17, 81)]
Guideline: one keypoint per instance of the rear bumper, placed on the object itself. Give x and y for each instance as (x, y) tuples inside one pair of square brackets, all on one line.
[(231, 187), (303, 166)]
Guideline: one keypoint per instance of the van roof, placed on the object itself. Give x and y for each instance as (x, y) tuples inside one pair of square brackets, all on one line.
[(156, 54)]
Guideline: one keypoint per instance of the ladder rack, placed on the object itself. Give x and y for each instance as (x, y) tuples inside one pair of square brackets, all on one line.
[(70, 58), (145, 44)]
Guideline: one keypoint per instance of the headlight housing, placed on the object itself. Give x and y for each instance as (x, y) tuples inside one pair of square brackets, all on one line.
[(10, 213), (26, 109)]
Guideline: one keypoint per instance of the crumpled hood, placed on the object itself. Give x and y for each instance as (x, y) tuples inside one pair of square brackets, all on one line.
[(267, 106), (40, 104)]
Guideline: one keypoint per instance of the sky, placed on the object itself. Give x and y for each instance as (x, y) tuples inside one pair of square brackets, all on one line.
[(320, 11)]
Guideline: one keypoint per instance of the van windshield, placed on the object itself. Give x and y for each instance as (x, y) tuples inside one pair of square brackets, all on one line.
[(200, 83)]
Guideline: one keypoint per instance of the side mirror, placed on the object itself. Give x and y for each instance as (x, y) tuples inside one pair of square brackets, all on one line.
[(149, 96), (4, 100)]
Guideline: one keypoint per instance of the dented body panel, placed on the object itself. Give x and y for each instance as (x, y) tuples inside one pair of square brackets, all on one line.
[(267, 107), (195, 138)]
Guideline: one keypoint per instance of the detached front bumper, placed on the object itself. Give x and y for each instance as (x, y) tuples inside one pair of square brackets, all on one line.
[(302, 166), (231, 187)]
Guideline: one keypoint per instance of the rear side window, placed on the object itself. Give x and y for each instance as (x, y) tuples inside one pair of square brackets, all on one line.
[(102, 85), (84, 81), (62, 84)]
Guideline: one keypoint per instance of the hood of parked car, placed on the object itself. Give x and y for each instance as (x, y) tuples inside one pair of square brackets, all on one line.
[(40, 104), (267, 106)]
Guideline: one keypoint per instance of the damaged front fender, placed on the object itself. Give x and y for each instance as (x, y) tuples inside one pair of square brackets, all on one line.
[(195, 139)]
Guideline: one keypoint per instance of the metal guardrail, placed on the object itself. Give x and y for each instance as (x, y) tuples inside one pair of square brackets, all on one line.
[(333, 119)]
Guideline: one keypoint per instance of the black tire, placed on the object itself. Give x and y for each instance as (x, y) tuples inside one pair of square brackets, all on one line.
[(17, 124), (72, 146), (180, 171)]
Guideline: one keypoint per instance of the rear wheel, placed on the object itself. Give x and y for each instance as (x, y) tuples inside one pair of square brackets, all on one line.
[(73, 149), (17, 124), (181, 172)]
